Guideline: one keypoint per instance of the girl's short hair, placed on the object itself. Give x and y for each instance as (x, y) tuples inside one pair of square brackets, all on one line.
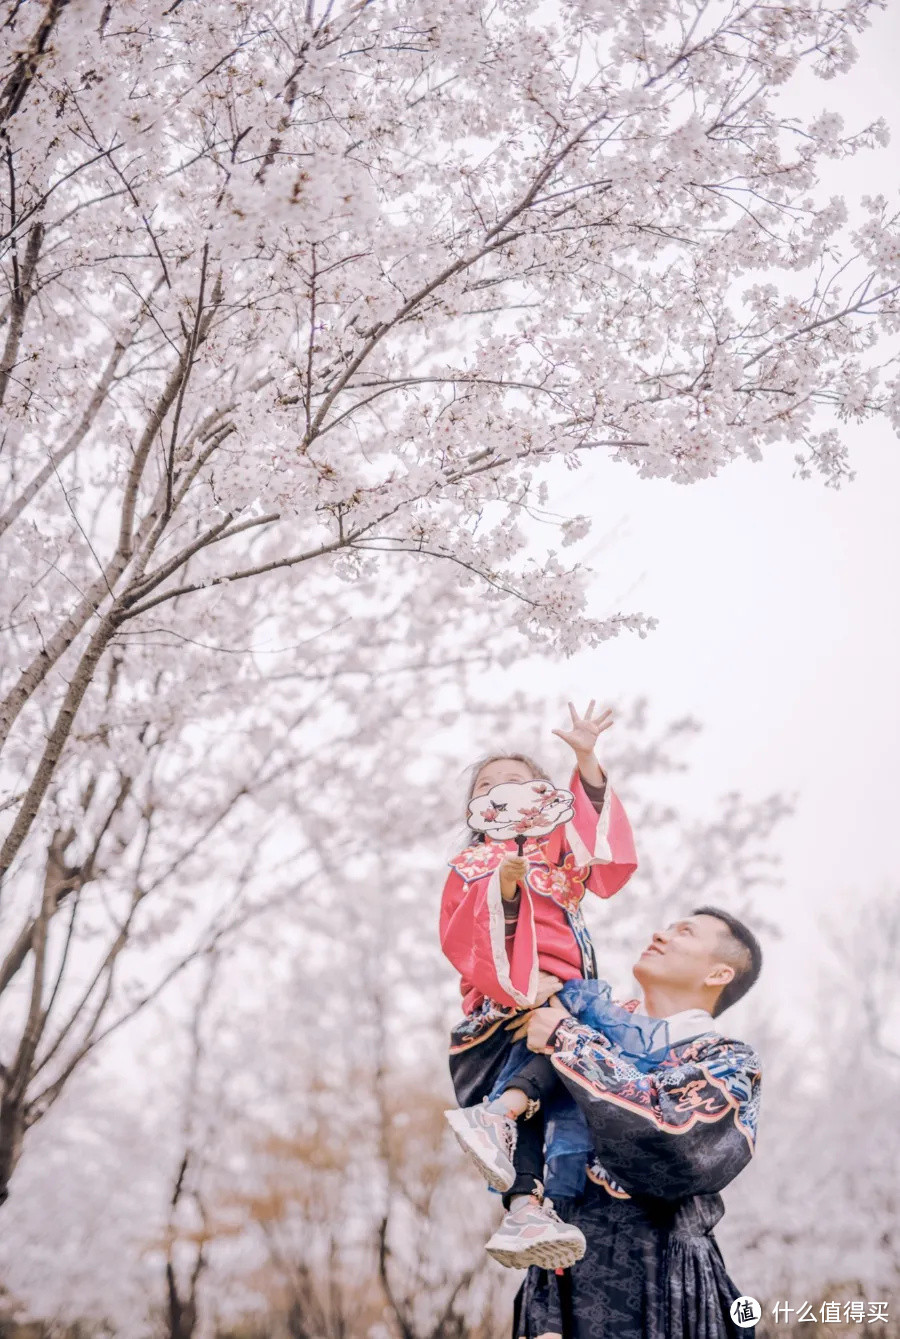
[(537, 772)]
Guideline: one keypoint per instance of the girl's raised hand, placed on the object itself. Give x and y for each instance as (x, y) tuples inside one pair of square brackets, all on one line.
[(585, 729)]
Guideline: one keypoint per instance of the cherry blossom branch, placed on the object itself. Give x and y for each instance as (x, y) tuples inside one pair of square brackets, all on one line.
[(174, 390), (23, 289), (496, 237), (224, 530), (67, 880), (74, 440), (29, 61), (63, 638), (226, 578), (78, 686), (823, 321), (93, 1038)]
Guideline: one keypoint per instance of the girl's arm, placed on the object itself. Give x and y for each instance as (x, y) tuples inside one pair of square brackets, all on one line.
[(599, 836), (473, 938)]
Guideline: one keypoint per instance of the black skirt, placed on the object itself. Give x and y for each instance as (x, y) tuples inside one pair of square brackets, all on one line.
[(653, 1270)]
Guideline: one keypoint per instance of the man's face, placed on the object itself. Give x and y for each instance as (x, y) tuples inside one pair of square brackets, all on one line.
[(687, 954)]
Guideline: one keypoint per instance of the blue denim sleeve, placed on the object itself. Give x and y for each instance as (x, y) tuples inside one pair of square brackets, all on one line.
[(637, 1037)]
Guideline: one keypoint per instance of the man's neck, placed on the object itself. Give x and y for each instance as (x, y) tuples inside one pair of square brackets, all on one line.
[(662, 1003)]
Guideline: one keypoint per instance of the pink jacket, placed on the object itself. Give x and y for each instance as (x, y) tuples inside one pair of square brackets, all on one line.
[(592, 852)]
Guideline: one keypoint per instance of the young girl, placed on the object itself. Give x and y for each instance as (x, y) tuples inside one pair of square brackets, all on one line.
[(512, 926)]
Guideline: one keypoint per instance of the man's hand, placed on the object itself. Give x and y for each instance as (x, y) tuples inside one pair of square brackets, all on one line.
[(539, 1023), (544, 1021), (547, 985), (512, 873)]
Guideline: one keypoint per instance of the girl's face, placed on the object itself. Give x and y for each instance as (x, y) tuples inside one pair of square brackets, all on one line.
[(499, 771)]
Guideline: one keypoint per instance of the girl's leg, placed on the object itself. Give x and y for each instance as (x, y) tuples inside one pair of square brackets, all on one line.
[(524, 1099), (538, 1081), (528, 1159), (505, 1138)]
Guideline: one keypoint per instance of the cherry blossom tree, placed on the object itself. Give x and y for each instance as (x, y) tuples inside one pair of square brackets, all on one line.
[(298, 305), (195, 843)]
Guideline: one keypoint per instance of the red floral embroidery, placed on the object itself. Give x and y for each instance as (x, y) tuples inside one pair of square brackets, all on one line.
[(476, 861), (564, 882)]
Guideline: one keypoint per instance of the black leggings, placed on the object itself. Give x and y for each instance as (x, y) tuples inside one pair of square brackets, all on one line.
[(538, 1080)]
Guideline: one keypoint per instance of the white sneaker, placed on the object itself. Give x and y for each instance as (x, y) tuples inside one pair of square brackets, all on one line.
[(534, 1234), (490, 1141)]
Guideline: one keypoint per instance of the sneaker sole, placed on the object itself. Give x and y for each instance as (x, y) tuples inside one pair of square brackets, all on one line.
[(544, 1254), (498, 1177)]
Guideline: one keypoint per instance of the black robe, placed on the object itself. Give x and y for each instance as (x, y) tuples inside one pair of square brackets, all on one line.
[(667, 1143)]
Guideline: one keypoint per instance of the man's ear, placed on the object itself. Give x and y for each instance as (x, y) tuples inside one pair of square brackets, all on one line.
[(720, 975)]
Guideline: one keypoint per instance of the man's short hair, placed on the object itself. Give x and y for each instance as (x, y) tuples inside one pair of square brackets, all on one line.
[(741, 950)]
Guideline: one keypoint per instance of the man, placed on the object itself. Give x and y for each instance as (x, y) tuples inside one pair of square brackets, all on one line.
[(667, 1142)]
